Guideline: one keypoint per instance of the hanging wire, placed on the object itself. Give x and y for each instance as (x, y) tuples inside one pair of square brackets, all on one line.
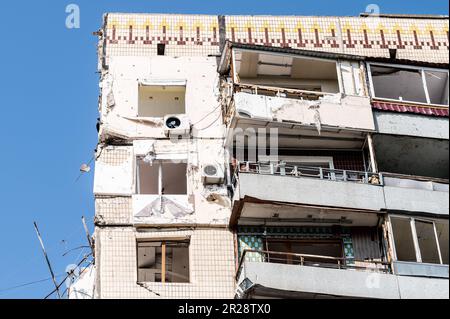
[(2, 290)]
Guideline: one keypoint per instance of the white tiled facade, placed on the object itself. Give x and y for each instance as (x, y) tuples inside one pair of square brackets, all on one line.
[(211, 265)]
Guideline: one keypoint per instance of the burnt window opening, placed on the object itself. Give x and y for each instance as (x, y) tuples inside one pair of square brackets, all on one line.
[(163, 261), (161, 49)]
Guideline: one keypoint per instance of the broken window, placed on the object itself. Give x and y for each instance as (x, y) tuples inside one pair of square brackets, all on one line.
[(286, 71), (403, 238), (420, 241), (161, 178), (409, 84), (161, 100), (163, 261)]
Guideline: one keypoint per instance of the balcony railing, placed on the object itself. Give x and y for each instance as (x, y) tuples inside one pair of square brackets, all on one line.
[(313, 261), (283, 169), (280, 92)]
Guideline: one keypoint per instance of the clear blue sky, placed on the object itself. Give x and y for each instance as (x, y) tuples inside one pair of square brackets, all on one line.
[(49, 90)]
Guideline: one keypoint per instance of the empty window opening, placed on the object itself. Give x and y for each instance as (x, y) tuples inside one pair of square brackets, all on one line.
[(161, 178), (284, 71), (164, 261), (410, 84), (161, 49), (159, 101)]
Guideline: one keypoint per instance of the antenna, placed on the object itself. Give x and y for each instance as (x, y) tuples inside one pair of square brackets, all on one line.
[(47, 260), (89, 238)]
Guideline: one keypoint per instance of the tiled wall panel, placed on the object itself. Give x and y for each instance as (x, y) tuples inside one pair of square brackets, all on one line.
[(212, 265), (191, 35)]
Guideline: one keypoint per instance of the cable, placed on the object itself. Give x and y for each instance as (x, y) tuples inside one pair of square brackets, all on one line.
[(212, 123), (28, 284), (207, 114)]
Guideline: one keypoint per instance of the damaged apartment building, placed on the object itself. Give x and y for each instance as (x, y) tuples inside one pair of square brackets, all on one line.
[(272, 157)]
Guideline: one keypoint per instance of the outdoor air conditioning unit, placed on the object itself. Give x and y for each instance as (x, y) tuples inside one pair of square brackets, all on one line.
[(213, 174), (177, 125)]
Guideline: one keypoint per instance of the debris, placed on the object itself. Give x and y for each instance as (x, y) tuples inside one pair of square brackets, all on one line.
[(164, 206), (85, 168)]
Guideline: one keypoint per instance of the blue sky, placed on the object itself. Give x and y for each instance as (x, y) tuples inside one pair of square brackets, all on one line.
[(49, 90)]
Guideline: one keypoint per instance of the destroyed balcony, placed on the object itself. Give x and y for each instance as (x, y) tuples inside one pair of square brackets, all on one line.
[(265, 274), (318, 186), (286, 88), (262, 106)]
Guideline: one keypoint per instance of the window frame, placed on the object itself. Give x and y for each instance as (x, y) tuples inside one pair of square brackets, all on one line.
[(160, 175), (417, 250), (163, 242), (410, 67)]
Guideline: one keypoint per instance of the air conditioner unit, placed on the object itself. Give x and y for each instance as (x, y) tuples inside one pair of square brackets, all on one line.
[(213, 174), (177, 125)]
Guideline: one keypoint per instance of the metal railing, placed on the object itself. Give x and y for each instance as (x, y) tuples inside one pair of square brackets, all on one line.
[(312, 261), (280, 92), (283, 169)]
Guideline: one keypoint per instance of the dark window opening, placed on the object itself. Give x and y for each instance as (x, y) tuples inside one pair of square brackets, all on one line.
[(161, 49)]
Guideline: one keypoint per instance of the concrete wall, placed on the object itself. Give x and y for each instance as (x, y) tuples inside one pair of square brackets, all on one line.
[(211, 265), (346, 283), (204, 204), (416, 200), (411, 125), (346, 112), (120, 95)]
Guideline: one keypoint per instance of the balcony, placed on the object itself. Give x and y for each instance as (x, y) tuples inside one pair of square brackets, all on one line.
[(309, 185), (299, 92), (281, 107), (282, 275)]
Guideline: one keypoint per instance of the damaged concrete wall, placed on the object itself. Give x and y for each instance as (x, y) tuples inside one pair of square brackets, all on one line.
[(120, 95), (114, 171), (203, 204), (347, 111)]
